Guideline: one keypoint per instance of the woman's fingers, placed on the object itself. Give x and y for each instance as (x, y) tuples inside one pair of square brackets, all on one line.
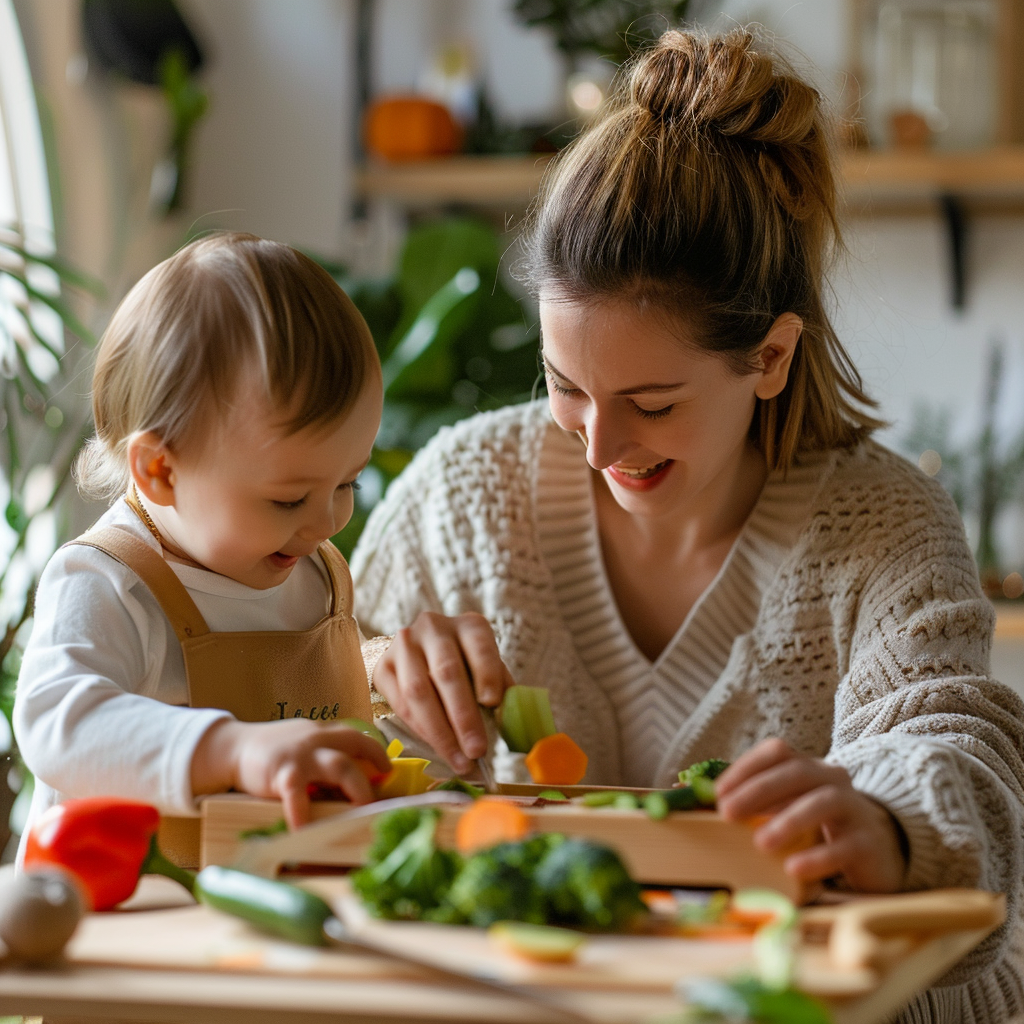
[(446, 661), (417, 700), (777, 786), (758, 759), (491, 678), (436, 674)]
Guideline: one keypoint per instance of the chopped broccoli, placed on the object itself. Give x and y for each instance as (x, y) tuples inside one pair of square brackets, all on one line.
[(709, 769), (545, 879), (498, 884), (406, 875), (588, 886)]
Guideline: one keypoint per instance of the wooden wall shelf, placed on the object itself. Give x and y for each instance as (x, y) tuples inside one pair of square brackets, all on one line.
[(889, 181), (457, 180), (877, 181)]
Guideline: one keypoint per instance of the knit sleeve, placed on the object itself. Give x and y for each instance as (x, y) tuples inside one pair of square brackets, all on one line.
[(391, 569), (923, 728)]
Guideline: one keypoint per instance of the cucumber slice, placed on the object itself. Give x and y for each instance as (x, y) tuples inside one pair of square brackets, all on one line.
[(525, 717), (661, 801), (600, 798), (704, 790), (552, 794), (540, 942)]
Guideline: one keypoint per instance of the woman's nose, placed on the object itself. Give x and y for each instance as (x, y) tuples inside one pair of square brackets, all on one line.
[(606, 440)]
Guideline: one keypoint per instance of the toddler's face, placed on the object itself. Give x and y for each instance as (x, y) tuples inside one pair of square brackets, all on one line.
[(252, 500)]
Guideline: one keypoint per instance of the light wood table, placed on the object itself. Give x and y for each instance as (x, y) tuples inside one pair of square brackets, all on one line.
[(161, 958)]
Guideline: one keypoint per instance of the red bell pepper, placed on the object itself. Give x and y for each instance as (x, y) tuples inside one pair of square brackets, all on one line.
[(106, 843)]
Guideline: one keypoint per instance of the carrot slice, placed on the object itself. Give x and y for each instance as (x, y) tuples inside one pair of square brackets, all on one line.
[(489, 822), (556, 760)]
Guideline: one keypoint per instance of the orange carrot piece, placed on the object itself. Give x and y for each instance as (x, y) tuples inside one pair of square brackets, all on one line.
[(556, 760), (489, 822)]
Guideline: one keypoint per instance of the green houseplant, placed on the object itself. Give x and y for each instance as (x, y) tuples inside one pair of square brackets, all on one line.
[(43, 424), (452, 338)]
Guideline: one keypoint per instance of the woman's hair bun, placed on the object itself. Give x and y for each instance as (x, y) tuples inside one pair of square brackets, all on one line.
[(723, 84)]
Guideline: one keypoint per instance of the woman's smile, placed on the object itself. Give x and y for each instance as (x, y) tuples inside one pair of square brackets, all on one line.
[(637, 479)]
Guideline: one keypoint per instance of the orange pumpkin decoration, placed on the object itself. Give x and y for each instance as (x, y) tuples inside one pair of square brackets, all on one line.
[(410, 128)]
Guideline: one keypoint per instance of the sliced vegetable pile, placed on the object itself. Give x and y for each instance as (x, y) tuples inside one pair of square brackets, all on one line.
[(542, 879), (528, 727)]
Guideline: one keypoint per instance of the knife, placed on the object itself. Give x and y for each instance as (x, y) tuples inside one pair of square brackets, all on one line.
[(485, 762)]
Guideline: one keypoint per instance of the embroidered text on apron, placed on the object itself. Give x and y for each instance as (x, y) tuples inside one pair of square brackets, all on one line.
[(314, 673)]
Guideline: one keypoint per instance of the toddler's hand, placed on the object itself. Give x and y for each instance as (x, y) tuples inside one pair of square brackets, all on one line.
[(281, 759), (857, 836), (435, 675)]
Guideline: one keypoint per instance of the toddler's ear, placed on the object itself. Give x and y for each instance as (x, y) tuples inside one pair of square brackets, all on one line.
[(149, 464)]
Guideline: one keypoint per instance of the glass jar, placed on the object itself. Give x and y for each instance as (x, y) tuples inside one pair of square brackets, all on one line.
[(933, 74)]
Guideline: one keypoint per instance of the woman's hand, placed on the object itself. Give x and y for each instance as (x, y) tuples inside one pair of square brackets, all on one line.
[(435, 675), (282, 759), (854, 835)]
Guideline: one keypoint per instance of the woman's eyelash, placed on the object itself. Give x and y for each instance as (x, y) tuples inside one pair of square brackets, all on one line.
[(647, 414), (560, 389), (654, 414)]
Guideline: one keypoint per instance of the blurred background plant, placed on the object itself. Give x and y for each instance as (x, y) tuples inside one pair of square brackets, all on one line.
[(453, 340), (984, 474), (43, 348), (612, 29)]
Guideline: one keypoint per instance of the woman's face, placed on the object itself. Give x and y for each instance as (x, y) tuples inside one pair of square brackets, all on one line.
[(665, 422)]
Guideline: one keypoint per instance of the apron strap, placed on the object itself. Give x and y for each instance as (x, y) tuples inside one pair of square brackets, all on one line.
[(185, 618), (341, 578)]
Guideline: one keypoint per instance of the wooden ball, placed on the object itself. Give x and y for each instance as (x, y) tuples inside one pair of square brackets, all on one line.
[(39, 911)]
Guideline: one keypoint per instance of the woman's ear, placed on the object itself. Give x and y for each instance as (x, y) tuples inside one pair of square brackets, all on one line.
[(151, 465), (775, 355)]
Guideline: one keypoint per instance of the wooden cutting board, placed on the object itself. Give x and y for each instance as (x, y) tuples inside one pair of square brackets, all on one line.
[(692, 848), (159, 930)]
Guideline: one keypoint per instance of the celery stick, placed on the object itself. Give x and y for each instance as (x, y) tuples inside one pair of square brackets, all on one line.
[(525, 717)]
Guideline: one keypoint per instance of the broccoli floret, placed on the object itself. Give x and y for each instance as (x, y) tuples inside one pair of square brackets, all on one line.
[(498, 884), (588, 886), (709, 769), (406, 875)]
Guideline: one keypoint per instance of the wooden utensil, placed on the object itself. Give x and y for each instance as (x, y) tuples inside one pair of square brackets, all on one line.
[(866, 933)]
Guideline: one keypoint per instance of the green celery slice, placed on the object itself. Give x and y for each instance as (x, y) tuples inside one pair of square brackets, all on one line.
[(525, 717)]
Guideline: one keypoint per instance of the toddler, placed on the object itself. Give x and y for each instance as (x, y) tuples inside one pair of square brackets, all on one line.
[(200, 637)]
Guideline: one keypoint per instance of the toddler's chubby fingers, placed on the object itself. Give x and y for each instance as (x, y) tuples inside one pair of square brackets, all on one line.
[(290, 787), (354, 743), (335, 768), (489, 674)]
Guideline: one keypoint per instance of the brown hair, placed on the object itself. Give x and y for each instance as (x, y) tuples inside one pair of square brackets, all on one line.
[(707, 190), (178, 342)]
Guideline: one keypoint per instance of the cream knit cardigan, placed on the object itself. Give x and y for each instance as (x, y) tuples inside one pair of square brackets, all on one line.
[(847, 620)]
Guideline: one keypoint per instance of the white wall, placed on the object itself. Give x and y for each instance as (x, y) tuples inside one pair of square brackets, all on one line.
[(273, 154)]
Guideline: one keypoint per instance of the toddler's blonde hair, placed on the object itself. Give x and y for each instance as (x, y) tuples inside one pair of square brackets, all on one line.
[(177, 345)]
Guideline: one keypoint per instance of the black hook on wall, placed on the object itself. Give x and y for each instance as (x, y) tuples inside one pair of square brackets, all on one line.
[(955, 216)]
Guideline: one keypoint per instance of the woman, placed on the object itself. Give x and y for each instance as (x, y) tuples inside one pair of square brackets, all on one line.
[(696, 546)]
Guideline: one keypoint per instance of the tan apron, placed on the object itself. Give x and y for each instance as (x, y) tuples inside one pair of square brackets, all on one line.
[(258, 676)]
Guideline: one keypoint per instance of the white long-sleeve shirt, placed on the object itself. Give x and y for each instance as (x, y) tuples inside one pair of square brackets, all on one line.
[(101, 704)]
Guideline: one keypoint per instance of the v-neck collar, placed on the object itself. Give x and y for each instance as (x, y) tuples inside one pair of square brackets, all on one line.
[(687, 669)]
